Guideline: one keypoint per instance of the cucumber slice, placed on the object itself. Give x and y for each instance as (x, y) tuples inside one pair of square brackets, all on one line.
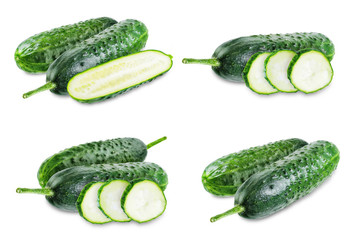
[(310, 71), (254, 74), (276, 66), (109, 197), (143, 201), (118, 76), (87, 204)]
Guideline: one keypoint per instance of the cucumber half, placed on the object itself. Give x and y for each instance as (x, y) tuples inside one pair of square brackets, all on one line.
[(87, 204), (254, 74), (143, 201), (310, 71), (276, 66), (118, 76), (109, 197)]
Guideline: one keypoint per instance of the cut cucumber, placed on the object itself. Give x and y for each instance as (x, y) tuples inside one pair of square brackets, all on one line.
[(143, 201), (276, 66), (109, 197), (87, 204), (118, 76), (254, 74), (310, 71)]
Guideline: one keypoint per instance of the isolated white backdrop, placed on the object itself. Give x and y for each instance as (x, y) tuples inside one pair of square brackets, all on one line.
[(203, 116)]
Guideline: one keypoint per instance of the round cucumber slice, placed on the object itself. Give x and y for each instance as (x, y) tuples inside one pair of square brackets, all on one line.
[(109, 197), (276, 66), (310, 71), (143, 201)]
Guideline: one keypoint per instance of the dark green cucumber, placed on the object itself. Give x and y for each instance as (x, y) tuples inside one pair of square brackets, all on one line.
[(119, 150), (224, 176), (36, 53), (230, 58), (64, 187), (287, 180), (121, 39)]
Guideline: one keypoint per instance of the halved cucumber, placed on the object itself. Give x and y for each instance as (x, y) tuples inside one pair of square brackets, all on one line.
[(276, 66), (109, 197), (254, 74), (310, 71), (143, 201), (118, 76), (87, 204)]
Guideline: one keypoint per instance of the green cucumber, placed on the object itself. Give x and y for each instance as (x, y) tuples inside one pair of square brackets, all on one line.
[(36, 53), (224, 176), (64, 187), (230, 58), (118, 150), (87, 204), (254, 74), (143, 201), (109, 200), (310, 71), (118, 76), (121, 39), (286, 181), (276, 67)]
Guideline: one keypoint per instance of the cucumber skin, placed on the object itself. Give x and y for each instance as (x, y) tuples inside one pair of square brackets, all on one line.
[(118, 150), (234, 54), (36, 53), (112, 95), (121, 39), (224, 176), (289, 179), (68, 183)]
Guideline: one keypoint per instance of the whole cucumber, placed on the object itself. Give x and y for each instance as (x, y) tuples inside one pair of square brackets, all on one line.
[(289, 179), (36, 53), (121, 39)]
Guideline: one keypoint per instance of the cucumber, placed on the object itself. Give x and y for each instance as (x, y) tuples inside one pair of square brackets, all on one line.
[(64, 187), (35, 54), (224, 176), (143, 201), (254, 74), (288, 180), (310, 71), (109, 199), (118, 76), (87, 204), (276, 66), (230, 58), (118, 150), (121, 39)]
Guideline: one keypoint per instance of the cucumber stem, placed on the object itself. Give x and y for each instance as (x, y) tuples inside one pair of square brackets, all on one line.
[(236, 209), (42, 191), (155, 142), (47, 86), (212, 61)]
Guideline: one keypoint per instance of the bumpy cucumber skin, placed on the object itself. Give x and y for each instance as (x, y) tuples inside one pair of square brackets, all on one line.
[(234, 54), (35, 54), (67, 184), (289, 179), (121, 39), (223, 176), (112, 95), (119, 150)]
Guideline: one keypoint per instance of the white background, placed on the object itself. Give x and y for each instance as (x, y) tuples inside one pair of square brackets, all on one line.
[(203, 116)]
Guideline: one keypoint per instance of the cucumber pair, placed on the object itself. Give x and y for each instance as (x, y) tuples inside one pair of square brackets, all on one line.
[(286, 71), (121, 201)]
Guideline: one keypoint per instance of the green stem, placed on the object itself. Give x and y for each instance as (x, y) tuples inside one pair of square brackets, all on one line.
[(42, 191), (155, 142), (212, 61), (236, 209), (47, 86)]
